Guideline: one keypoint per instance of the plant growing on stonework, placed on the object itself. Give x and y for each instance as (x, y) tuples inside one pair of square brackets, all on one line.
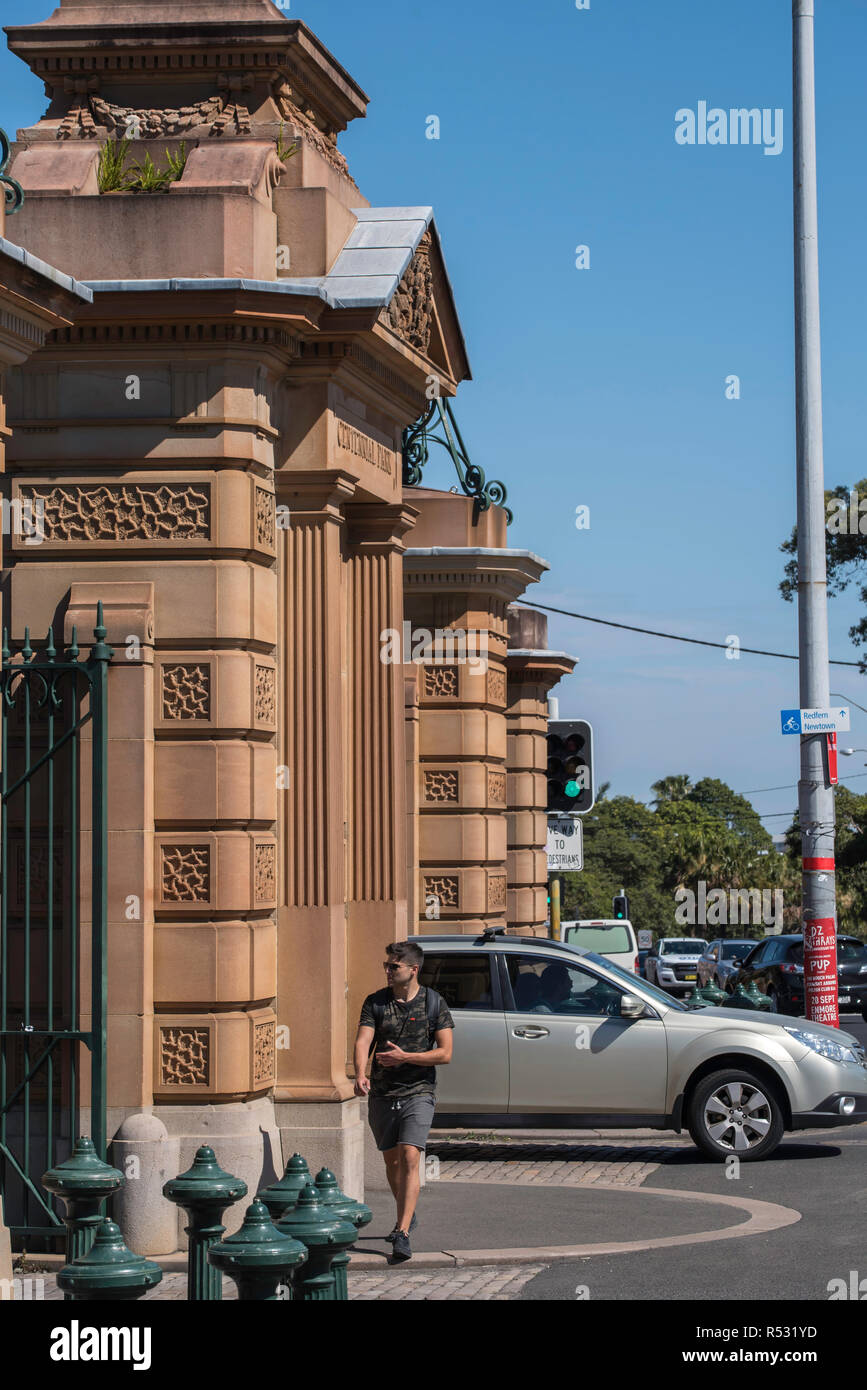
[(110, 173), (285, 152), (177, 162), (147, 177)]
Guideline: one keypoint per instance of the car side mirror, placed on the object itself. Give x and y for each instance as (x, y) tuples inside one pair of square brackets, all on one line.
[(631, 1006)]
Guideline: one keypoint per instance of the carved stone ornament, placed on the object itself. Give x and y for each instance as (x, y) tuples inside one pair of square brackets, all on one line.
[(324, 140), (496, 893), (496, 788), (186, 873), (264, 1046), (264, 518), (124, 512), (265, 873), (440, 682), (444, 888), (185, 1056), (187, 691), (215, 116), (266, 695), (440, 786), (410, 312)]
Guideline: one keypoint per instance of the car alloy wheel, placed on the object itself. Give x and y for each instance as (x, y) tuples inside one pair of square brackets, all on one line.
[(733, 1112)]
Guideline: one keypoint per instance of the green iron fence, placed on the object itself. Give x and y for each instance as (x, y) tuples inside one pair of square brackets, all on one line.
[(53, 916)]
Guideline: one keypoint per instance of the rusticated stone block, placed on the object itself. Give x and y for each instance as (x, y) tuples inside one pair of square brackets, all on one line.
[(226, 511), (229, 691), (226, 871), (215, 781), (227, 1055), (205, 963), (462, 839), (468, 733), (461, 892)]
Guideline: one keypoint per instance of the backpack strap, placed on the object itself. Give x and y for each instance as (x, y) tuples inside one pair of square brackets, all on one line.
[(434, 1002)]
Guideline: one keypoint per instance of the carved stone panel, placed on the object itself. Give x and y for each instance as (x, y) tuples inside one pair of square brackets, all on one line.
[(265, 518), (411, 310), (98, 512), (186, 691), (496, 687), (441, 786), (265, 873), (266, 695), (496, 788), (441, 682), (186, 873), (496, 893), (264, 1035), (445, 888), (185, 1056)]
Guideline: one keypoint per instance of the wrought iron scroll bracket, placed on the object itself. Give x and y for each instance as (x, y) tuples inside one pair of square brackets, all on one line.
[(12, 190), (416, 453)]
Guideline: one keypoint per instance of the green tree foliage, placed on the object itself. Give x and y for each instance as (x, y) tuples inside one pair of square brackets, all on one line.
[(705, 831), (845, 549), (851, 856)]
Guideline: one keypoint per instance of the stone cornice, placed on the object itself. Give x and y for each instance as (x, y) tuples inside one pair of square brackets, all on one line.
[(374, 526), (539, 667), (316, 494), (503, 574)]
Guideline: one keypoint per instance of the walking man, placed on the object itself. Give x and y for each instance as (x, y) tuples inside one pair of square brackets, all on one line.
[(411, 1028)]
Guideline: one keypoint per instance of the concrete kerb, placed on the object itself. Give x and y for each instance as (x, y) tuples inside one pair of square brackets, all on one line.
[(761, 1219)]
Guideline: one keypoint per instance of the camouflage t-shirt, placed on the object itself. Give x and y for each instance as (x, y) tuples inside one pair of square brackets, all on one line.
[(406, 1025)]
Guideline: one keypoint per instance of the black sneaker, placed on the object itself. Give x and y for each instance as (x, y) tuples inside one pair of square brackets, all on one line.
[(393, 1232), (400, 1248)]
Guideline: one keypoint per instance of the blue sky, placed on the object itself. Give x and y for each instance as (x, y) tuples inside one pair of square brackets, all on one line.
[(606, 387)]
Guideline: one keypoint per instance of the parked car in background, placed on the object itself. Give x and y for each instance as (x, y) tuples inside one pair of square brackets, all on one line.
[(777, 966), (612, 938), (547, 1036), (673, 963), (642, 957), (722, 958)]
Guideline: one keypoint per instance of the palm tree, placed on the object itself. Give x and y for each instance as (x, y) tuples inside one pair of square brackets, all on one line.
[(672, 788)]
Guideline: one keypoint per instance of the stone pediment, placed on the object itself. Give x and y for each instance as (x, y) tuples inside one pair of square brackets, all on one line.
[(422, 310)]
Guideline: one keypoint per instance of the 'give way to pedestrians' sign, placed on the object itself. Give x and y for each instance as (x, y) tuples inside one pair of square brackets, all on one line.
[(815, 721)]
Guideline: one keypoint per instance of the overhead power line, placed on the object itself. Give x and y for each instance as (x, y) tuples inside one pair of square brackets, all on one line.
[(673, 636)]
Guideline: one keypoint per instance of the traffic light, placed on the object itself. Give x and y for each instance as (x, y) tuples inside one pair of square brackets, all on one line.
[(621, 908), (570, 766)]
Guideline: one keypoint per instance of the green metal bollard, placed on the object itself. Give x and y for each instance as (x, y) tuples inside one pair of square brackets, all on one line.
[(82, 1182), (758, 1000), (348, 1209), (204, 1192), (259, 1258), (696, 1000), (740, 999), (713, 994), (108, 1272), (325, 1236), (281, 1196)]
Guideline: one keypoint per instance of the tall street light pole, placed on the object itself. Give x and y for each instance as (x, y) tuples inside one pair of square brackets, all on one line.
[(815, 796)]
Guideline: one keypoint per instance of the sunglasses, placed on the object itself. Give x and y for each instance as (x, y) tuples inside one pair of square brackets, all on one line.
[(397, 966)]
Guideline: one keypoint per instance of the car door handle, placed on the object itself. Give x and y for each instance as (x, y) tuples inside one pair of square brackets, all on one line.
[(531, 1032)]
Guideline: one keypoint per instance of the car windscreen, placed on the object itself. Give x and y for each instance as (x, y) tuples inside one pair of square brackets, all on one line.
[(690, 947), (602, 939), (850, 950), (736, 950), (632, 981)]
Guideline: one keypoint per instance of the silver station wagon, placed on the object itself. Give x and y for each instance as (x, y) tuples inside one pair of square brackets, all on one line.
[(545, 1035)]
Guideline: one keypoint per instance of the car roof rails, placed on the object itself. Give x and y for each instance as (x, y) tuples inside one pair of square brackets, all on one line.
[(490, 934)]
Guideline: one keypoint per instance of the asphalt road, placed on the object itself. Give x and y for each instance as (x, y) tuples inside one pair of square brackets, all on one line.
[(821, 1174)]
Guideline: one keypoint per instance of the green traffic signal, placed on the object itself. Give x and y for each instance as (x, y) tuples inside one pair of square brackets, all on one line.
[(572, 788)]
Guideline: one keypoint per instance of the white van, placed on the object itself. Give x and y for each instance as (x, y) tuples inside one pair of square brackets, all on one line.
[(609, 937)]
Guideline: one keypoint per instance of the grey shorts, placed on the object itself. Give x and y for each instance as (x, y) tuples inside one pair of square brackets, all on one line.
[(406, 1120)]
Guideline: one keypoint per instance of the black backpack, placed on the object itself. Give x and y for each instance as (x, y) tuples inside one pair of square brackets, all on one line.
[(434, 1001)]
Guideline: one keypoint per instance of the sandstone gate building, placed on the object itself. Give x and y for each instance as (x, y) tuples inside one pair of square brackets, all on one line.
[(213, 423)]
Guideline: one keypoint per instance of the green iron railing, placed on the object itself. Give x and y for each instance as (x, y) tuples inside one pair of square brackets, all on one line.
[(416, 451), (47, 702)]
